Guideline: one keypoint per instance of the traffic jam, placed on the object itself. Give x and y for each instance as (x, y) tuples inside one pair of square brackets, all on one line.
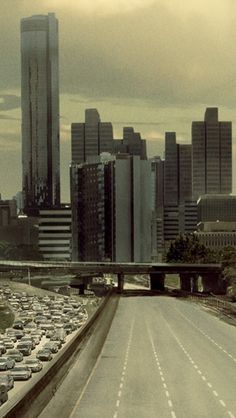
[(41, 327)]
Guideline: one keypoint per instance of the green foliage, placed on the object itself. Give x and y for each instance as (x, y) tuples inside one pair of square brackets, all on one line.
[(9, 251), (187, 249)]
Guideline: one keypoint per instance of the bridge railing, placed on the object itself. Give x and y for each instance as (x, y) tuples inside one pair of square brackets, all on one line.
[(215, 302)]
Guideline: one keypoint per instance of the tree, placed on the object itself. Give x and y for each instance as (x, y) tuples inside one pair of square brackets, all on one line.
[(187, 249)]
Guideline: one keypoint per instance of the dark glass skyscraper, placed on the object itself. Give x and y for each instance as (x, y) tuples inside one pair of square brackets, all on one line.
[(40, 111), (211, 155)]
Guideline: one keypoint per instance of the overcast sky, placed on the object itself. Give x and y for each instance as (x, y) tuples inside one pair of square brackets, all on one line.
[(152, 64)]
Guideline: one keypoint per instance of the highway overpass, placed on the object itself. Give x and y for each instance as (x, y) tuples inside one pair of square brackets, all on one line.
[(189, 273)]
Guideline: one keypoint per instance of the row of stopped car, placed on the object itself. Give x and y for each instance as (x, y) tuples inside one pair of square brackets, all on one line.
[(38, 332)]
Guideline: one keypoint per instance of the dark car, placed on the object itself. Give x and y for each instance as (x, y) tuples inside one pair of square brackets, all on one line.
[(7, 380), (21, 372), (2, 349), (44, 355), (3, 394), (18, 325), (24, 348)]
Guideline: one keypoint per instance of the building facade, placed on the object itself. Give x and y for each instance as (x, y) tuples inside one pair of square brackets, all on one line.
[(111, 210), (54, 239), (211, 155), (40, 111), (91, 138), (94, 137), (180, 212)]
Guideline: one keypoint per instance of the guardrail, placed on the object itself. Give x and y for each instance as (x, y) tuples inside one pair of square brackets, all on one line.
[(29, 402), (215, 302)]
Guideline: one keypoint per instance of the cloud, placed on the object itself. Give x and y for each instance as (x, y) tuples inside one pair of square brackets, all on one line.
[(7, 117), (98, 7), (9, 102)]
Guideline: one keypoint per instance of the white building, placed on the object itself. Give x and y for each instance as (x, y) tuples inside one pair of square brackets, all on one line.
[(55, 233)]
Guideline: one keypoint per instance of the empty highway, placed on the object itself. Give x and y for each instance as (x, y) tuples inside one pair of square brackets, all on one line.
[(163, 357)]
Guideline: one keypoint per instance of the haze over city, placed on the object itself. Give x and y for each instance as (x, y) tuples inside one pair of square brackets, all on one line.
[(154, 65)]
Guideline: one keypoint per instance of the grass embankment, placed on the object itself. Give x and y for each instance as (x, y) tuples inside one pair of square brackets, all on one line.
[(172, 280)]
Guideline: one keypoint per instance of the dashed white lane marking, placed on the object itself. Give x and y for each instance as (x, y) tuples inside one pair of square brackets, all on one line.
[(165, 387), (207, 336), (196, 368), (122, 379)]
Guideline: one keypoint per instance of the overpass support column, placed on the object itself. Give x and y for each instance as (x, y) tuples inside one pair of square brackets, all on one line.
[(121, 279), (195, 283), (211, 282), (157, 281), (185, 282), (81, 288)]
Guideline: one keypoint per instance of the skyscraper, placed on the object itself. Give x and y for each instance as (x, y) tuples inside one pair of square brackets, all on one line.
[(40, 111), (180, 214), (94, 137), (211, 155), (111, 210), (90, 138)]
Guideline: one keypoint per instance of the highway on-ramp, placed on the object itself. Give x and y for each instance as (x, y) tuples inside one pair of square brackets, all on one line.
[(163, 357)]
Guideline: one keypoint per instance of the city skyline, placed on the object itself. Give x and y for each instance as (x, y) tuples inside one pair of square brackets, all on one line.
[(147, 81)]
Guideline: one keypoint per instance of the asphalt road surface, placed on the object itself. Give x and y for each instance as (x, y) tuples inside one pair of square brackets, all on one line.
[(163, 357)]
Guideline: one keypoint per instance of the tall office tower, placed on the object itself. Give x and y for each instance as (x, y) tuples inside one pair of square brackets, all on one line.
[(88, 203), (111, 213), (90, 138), (157, 188), (179, 210), (178, 171), (211, 155), (40, 111), (132, 144)]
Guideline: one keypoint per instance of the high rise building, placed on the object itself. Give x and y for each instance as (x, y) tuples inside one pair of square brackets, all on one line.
[(40, 111), (180, 213), (94, 137), (178, 171), (211, 155), (132, 144), (90, 138), (54, 231), (111, 210)]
